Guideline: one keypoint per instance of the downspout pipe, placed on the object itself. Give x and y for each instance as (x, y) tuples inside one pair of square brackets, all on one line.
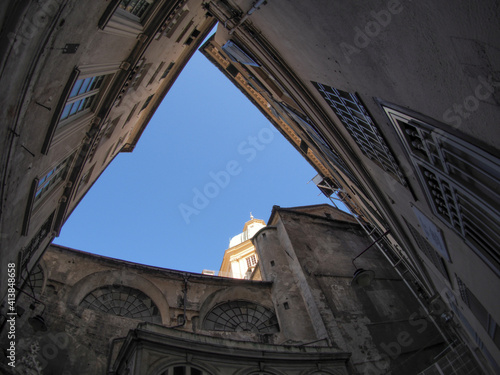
[(248, 14)]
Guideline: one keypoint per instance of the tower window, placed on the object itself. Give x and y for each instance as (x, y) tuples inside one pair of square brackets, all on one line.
[(251, 261)]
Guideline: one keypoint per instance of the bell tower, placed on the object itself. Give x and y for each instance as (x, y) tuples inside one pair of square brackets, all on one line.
[(240, 258)]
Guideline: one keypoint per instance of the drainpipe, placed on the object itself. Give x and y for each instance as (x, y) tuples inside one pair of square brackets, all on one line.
[(248, 14)]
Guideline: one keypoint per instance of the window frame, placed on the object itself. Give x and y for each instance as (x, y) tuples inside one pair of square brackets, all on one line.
[(58, 127), (65, 119), (52, 179), (34, 204), (187, 367), (363, 130), (251, 260), (119, 21), (463, 205)]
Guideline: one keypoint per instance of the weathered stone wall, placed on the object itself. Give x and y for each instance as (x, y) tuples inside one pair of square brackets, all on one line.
[(79, 340), (380, 324)]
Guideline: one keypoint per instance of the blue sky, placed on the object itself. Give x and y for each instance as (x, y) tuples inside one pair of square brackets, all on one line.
[(206, 139)]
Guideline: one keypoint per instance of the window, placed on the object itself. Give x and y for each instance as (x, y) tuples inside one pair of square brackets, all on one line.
[(175, 19), (126, 18), (184, 31), (131, 113), (82, 96), (184, 370), (135, 7), (123, 301), (146, 103), (479, 311), (236, 316), (321, 143), (192, 37), (358, 122), (169, 68), (236, 54), (304, 147), (35, 280), (142, 70), (85, 178), (51, 180), (251, 261), (461, 182), (155, 74)]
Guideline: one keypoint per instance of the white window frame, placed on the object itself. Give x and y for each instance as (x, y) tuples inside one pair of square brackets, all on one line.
[(51, 180), (466, 209), (60, 130), (251, 260), (65, 119), (125, 23)]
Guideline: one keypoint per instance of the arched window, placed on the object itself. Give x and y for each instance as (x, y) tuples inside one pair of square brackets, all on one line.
[(241, 316), (184, 370), (122, 301), (35, 281)]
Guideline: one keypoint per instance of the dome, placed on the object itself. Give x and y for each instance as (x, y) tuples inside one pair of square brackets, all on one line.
[(251, 227)]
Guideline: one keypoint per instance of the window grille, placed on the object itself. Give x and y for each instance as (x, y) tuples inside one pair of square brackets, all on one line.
[(461, 181), (458, 361), (236, 316), (184, 370), (122, 301), (358, 122), (35, 281), (251, 261)]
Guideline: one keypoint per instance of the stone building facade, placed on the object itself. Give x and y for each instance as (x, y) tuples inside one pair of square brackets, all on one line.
[(395, 105), (88, 314), (399, 104), (79, 84)]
